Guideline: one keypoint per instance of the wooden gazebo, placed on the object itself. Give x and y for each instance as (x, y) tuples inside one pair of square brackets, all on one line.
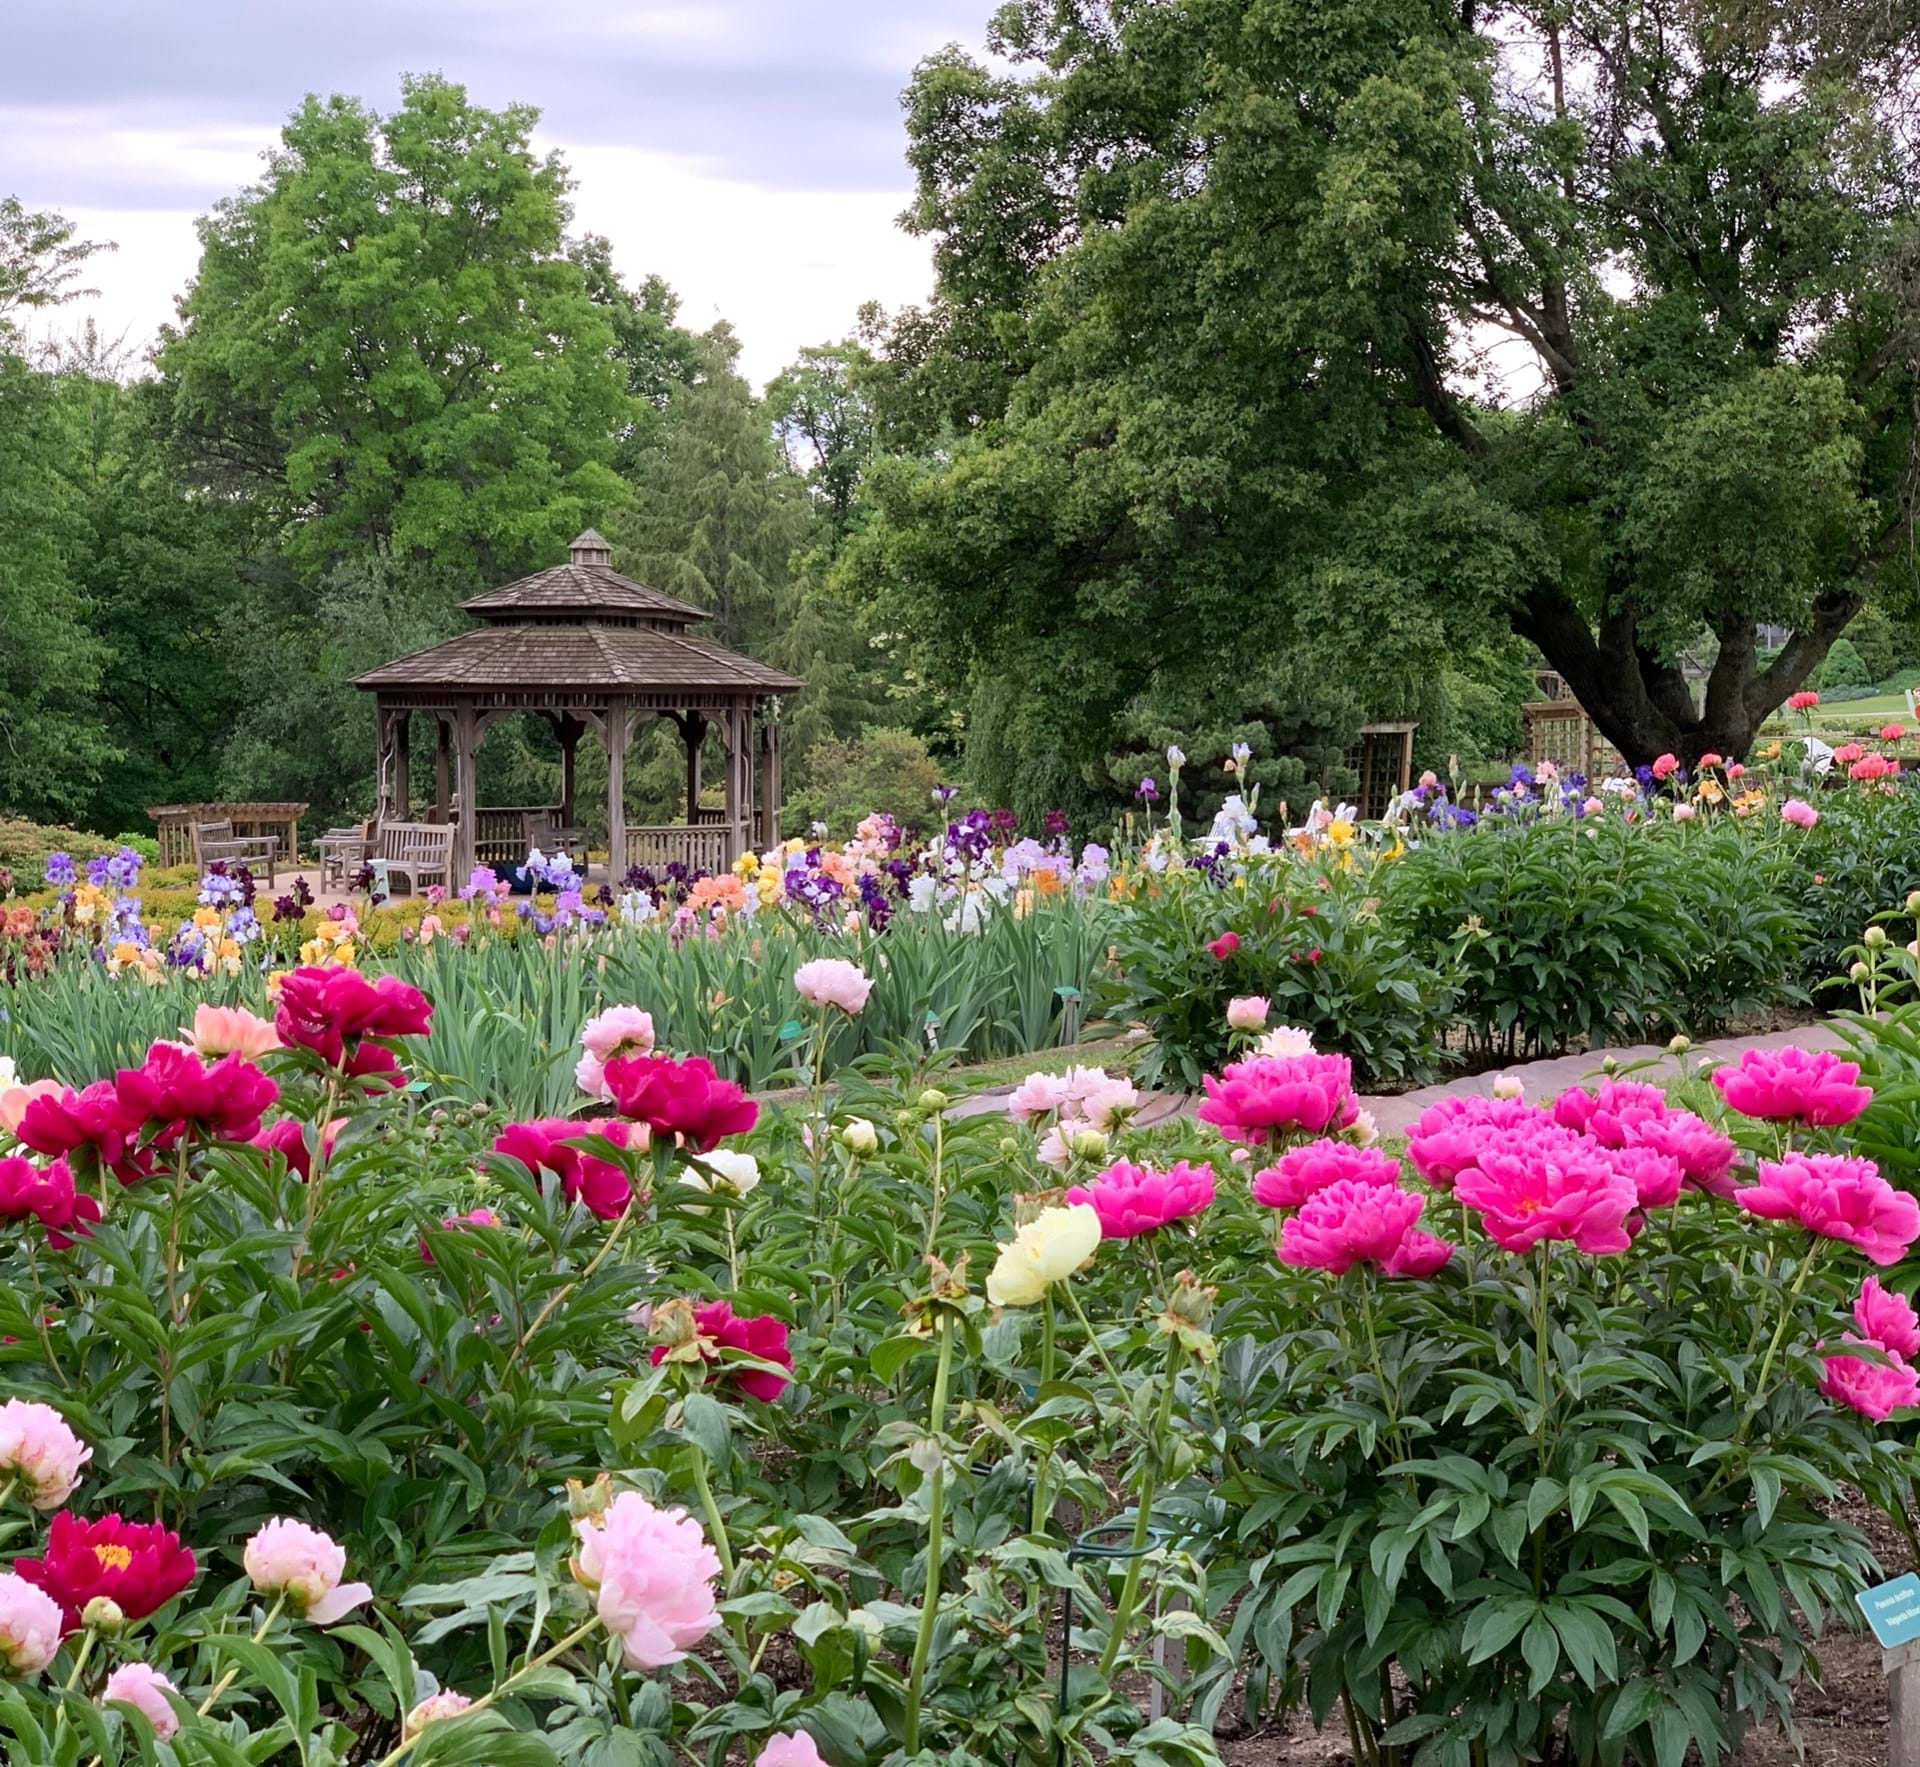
[(584, 647)]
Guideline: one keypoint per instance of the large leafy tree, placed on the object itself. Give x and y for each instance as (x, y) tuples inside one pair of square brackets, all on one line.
[(1365, 330), (52, 748), (388, 347)]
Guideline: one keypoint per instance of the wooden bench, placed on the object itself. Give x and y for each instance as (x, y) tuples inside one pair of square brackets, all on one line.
[(419, 852), (342, 852), (215, 843)]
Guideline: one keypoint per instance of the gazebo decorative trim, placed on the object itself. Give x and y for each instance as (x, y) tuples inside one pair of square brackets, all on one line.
[(585, 648)]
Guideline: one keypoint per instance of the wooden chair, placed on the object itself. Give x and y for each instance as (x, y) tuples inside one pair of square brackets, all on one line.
[(419, 852), (216, 843), (342, 852)]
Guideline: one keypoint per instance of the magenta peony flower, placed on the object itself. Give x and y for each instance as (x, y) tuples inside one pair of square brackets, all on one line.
[(1301, 1171), (1548, 1189), (144, 1688), (1874, 1389), (651, 1572), (1419, 1254), (598, 1185), (1794, 1086), (680, 1098), (70, 1122), (1887, 1319), (1447, 1137), (290, 1558), (1839, 1197), (1131, 1200), (1224, 947), (41, 1452), (1657, 1178), (1705, 1155), (174, 1094), (1348, 1224), (763, 1337), (1611, 1114), (833, 981), (49, 1195), (1267, 1096)]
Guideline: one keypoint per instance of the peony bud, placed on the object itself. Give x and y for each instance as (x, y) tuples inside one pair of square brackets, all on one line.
[(1874, 937), (933, 1100), (1913, 901), (1858, 973), (1680, 1045), (1508, 1086), (1089, 1143), (105, 1616), (1609, 1064), (860, 1138)]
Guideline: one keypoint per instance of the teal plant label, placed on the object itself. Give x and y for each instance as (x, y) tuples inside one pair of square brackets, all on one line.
[(1893, 1610)]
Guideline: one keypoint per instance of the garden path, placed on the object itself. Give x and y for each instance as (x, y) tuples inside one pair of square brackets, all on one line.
[(1396, 1112)]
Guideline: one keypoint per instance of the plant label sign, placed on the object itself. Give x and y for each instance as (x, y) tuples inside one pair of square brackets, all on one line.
[(1893, 1610)]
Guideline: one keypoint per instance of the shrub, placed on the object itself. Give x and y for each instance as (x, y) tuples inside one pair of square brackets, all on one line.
[(1844, 667), (845, 781)]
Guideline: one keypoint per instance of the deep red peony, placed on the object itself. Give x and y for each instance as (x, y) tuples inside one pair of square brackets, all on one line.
[(140, 1565), (50, 1196), (174, 1093), (684, 1098), (764, 1338), (598, 1184), (321, 1009), (75, 1122), (288, 1138)]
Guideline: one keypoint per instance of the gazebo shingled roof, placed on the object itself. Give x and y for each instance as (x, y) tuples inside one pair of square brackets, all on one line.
[(582, 645)]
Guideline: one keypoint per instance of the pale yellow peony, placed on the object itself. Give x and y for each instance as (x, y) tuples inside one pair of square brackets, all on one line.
[(1050, 1248)]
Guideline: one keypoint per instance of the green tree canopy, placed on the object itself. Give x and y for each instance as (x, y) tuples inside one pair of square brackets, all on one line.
[(388, 346), (1271, 327)]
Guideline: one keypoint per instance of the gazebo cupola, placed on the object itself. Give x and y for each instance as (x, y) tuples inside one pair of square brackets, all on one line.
[(584, 647)]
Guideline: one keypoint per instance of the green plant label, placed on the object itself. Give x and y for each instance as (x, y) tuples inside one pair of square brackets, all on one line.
[(1893, 1610)]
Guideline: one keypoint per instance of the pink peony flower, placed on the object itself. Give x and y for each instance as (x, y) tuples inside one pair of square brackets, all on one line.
[(1794, 1085), (459, 1224), (145, 1689), (832, 981), (49, 1195), (651, 1572), (763, 1337), (1684, 812), (288, 1557), (29, 1626), (1131, 1200), (231, 1030), (445, 1704), (1448, 1135), (1348, 1224), (1419, 1255), (1873, 767), (1657, 1178), (1610, 1113), (1705, 1155), (1263, 1097), (1301, 1171), (1887, 1319), (620, 1030), (789, 1748), (1224, 946), (41, 1452), (1848, 751), (1874, 1389), (1038, 1095), (1248, 1012), (288, 1138), (1804, 700), (1548, 1189), (1799, 812), (1892, 732), (1838, 1197), (1665, 766)]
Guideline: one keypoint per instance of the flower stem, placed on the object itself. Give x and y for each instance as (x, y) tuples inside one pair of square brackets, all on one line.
[(598, 1258), (1143, 1517), (507, 1686), (939, 1164), (1044, 1464), (1086, 1325), (1779, 1332), (936, 1540), (72, 1681), (260, 1632)]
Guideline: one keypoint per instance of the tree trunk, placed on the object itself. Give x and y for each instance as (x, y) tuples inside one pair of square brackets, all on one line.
[(1645, 707)]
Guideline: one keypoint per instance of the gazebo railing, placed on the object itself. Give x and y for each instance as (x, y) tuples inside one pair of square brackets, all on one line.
[(658, 845), (500, 832)]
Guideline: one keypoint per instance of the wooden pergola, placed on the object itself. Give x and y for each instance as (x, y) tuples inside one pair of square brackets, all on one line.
[(585, 648)]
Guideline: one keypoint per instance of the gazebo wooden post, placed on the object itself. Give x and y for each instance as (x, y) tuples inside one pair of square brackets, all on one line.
[(770, 776), (570, 729), (616, 729), (442, 765), (693, 732), (402, 783), (466, 797), (737, 799)]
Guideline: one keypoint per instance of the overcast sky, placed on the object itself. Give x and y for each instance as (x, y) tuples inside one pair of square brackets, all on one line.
[(750, 151)]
